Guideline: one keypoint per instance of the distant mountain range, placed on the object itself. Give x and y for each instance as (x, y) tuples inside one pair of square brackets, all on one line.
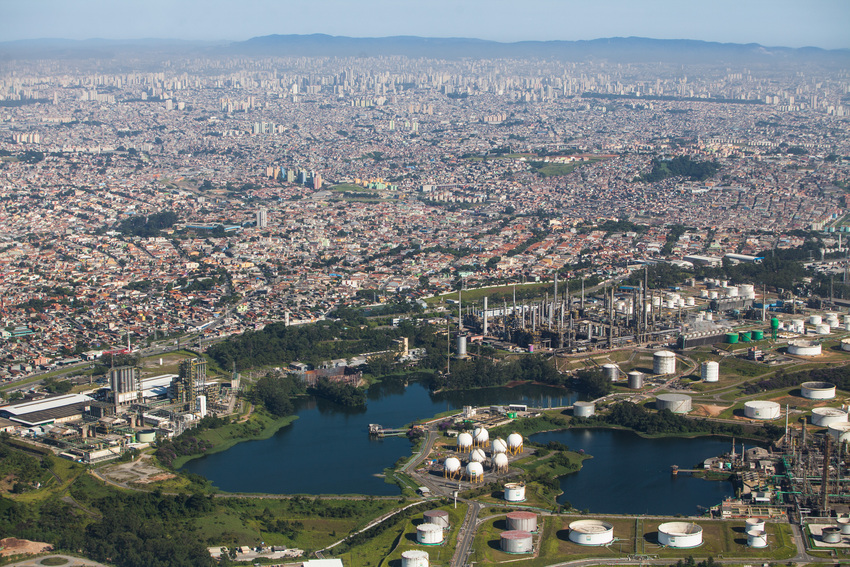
[(616, 50)]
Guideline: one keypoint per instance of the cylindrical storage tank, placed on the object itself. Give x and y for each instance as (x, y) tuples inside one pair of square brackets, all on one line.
[(436, 517), (515, 541), (758, 335), (429, 534), (745, 336), (754, 524), (833, 322), (831, 535), (799, 325), (663, 362), (757, 538), (747, 291), (464, 442), (522, 521), (731, 291), (147, 436), (845, 344), (824, 417), (709, 316), (823, 329), (591, 532), (477, 455), (818, 390), (671, 304), (500, 462), (681, 535), (461, 345), (677, 403), (499, 446), (515, 492), (710, 371), (514, 443), (475, 471), (804, 348), (584, 409), (760, 409), (815, 320), (713, 295), (845, 526), (839, 431), (452, 466), (635, 380), (656, 302), (690, 302), (723, 283), (732, 338), (612, 372), (703, 293), (414, 558), (480, 437)]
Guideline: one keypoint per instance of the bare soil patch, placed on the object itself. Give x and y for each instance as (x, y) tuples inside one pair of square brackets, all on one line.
[(15, 546)]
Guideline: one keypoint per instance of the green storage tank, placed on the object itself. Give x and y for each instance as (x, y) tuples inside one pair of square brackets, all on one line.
[(512, 414), (774, 323), (746, 336), (758, 335), (731, 338)]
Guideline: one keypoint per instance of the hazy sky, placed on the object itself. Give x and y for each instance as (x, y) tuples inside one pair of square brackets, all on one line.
[(792, 23)]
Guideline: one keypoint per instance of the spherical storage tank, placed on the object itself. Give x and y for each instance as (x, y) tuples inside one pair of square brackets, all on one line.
[(681, 535), (710, 371), (839, 431), (480, 437), (500, 462), (757, 538), (818, 390), (515, 541), (804, 348), (429, 534), (515, 492), (584, 409), (824, 417), (514, 443), (475, 471), (522, 521), (464, 442), (591, 532), (477, 455), (677, 403), (635, 380), (436, 517), (612, 372), (414, 558), (760, 409), (664, 362), (452, 466), (499, 446)]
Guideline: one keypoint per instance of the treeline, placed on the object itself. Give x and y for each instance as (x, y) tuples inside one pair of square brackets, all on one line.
[(147, 226), (180, 446), (838, 375), (593, 383), (343, 394), (276, 392), (682, 166), (638, 418), (483, 372)]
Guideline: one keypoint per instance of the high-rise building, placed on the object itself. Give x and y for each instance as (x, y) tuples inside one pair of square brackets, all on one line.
[(317, 181), (189, 383), (125, 382), (262, 217)]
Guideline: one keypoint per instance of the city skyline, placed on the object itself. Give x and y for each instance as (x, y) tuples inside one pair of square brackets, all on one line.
[(773, 24)]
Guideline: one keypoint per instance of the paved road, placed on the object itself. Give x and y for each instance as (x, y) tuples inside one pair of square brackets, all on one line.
[(72, 562), (466, 535)]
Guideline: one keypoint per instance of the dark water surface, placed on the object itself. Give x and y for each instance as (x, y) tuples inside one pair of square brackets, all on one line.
[(327, 451)]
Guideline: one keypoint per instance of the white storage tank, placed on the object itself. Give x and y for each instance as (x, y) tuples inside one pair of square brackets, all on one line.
[(436, 517), (500, 462), (747, 291), (839, 431), (681, 535), (480, 437), (731, 291), (823, 329), (818, 390), (677, 403), (514, 443), (713, 294), (831, 534), (477, 455), (522, 521), (414, 558), (798, 325), (824, 417), (584, 409), (754, 524), (833, 322), (709, 316), (475, 471), (499, 446), (664, 362), (710, 371), (591, 532), (464, 442), (515, 492), (845, 344), (635, 380), (804, 348), (815, 320), (515, 541), (689, 301), (451, 467), (429, 534), (612, 372), (757, 538), (703, 293), (760, 409)]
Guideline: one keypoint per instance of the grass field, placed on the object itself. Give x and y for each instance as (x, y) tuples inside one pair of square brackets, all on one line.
[(480, 294)]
